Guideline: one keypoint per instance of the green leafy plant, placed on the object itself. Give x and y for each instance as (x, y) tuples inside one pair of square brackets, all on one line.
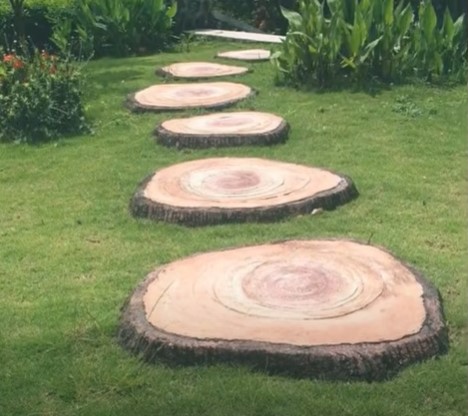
[(118, 28), (40, 97), (334, 40), (311, 51), (439, 50)]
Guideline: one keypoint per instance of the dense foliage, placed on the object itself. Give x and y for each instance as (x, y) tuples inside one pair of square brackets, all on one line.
[(91, 27), (266, 14), (119, 27), (36, 21), (262, 14), (356, 40), (40, 98)]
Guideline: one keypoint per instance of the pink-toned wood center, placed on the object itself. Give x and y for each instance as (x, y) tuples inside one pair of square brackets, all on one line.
[(246, 55), (237, 182), (191, 95), (298, 292), (230, 122), (240, 122), (202, 70), (233, 180)]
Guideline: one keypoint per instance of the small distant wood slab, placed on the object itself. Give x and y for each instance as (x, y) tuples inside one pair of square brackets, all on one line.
[(249, 55), (220, 190), (333, 309), (208, 95), (223, 129), (198, 70)]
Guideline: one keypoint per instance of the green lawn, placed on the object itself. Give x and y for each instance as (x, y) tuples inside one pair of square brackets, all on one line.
[(70, 253)]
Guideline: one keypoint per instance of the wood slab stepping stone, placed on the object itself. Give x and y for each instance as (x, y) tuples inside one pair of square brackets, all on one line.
[(333, 309), (239, 35), (200, 70), (250, 55), (223, 129), (219, 190), (165, 97)]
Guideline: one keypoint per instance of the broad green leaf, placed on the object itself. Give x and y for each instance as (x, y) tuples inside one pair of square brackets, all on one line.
[(276, 55), (439, 65), (388, 12), (312, 50), (355, 39), (405, 18), (458, 25), (370, 48), (428, 21), (334, 6), (363, 29), (294, 19), (448, 28), (172, 10)]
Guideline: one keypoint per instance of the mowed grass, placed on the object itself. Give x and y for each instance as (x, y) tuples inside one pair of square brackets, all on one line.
[(70, 253)]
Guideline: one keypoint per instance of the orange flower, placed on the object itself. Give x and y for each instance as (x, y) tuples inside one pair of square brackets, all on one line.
[(13, 60), (8, 58), (18, 63)]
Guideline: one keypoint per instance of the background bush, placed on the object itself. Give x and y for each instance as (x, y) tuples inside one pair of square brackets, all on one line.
[(266, 14), (42, 15), (357, 40), (121, 27), (38, 18), (40, 98), (102, 27), (262, 14)]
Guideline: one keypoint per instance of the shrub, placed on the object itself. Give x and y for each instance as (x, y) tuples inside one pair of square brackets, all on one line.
[(105, 27), (37, 23), (117, 27), (40, 98), (356, 40)]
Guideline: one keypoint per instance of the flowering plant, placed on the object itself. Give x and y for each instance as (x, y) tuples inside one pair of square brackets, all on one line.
[(40, 97)]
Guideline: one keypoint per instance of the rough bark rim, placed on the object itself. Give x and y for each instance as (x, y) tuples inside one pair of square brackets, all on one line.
[(371, 361), (169, 138), (141, 206)]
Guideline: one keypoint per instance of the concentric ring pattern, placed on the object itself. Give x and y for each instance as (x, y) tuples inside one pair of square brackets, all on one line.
[(237, 182), (240, 122), (322, 292), (199, 95), (246, 55), (201, 70)]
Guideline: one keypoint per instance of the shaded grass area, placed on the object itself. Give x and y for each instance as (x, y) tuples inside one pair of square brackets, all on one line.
[(70, 253)]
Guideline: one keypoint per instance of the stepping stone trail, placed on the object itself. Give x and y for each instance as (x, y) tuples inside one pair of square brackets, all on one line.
[(320, 308), (220, 190), (250, 55), (223, 129), (335, 309), (210, 95), (197, 70)]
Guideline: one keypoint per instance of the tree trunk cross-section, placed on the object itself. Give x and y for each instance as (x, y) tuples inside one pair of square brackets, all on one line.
[(249, 55), (199, 70), (334, 309), (208, 95), (223, 129), (220, 190)]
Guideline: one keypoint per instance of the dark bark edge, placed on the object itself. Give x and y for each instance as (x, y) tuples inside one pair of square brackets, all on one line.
[(348, 362), (202, 141), (133, 105), (141, 206)]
